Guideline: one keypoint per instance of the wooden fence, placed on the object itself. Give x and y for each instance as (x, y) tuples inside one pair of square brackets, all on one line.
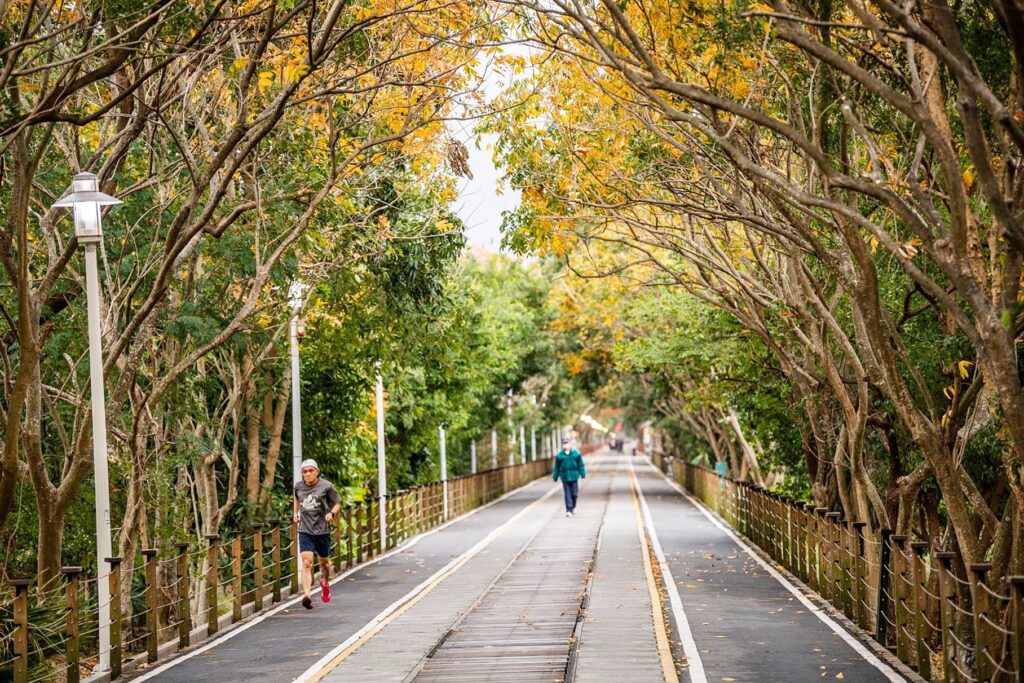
[(50, 633), (947, 621)]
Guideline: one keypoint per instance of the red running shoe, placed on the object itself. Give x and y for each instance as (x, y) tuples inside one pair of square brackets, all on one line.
[(325, 591)]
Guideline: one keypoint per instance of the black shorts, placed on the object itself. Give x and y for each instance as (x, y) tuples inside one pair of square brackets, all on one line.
[(315, 543)]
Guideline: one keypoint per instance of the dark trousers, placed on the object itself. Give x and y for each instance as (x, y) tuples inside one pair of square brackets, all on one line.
[(571, 489)]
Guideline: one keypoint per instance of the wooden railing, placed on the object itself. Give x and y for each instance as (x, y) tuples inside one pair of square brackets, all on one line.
[(50, 633), (946, 621)]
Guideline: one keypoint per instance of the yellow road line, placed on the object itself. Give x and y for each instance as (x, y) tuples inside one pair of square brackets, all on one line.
[(470, 554), (668, 665)]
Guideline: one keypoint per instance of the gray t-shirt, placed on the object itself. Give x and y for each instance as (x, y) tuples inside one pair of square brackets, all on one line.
[(314, 503)]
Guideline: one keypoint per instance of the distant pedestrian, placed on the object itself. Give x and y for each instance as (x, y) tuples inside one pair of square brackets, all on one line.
[(570, 469), (316, 504)]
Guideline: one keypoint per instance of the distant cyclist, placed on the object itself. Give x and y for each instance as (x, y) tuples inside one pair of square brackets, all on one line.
[(570, 469), (316, 505)]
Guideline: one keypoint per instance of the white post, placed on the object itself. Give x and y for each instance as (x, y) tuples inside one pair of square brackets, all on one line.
[(86, 202), (494, 449), (296, 419), (382, 471), (472, 456), (444, 472), (533, 443), (99, 451), (522, 443), (511, 431), (296, 402)]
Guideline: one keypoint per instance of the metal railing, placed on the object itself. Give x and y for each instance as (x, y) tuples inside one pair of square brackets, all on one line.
[(168, 604), (946, 621)]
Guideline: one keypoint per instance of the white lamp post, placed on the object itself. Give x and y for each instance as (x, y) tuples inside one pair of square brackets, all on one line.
[(472, 456), (522, 443), (511, 431), (87, 201), (297, 331), (494, 449), (444, 470), (533, 443), (382, 472)]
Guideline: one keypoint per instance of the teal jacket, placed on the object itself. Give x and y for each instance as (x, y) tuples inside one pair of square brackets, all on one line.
[(569, 466)]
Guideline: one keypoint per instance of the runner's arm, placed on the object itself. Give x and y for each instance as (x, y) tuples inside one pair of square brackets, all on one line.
[(335, 498), (295, 508)]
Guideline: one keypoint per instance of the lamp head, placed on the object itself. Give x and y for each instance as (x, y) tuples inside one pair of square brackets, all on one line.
[(87, 201), (296, 294)]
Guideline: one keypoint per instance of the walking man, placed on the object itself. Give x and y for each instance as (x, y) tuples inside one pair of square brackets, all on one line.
[(316, 505), (569, 466)]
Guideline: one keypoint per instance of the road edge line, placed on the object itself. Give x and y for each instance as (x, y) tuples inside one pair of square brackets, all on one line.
[(695, 666), (837, 628)]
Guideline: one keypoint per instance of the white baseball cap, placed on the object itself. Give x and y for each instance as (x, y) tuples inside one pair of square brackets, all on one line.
[(309, 462)]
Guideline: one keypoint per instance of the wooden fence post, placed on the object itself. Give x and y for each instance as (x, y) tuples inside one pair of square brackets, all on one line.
[(114, 580), (21, 629), (372, 523), (73, 646), (980, 607), (800, 531), (257, 558), (236, 579), (184, 604), (860, 612), (1017, 624), (337, 554), (787, 508), (899, 596), (275, 538), (947, 594), (360, 531), (846, 569), (151, 594), (212, 580), (817, 576), (293, 557), (349, 546), (924, 663), (882, 601), (834, 558)]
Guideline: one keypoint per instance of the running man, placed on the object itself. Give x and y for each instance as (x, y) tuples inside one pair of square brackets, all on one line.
[(316, 507), (569, 466)]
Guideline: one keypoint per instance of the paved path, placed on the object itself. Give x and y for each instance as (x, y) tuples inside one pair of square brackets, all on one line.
[(518, 592)]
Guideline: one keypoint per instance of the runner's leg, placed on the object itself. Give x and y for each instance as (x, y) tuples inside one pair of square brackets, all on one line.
[(325, 578), (307, 572)]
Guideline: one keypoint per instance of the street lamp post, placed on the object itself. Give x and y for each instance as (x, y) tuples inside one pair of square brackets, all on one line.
[(87, 201), (444, 470), (382, 472), (296, 332), (522, 443), (533, 443), (472, 456), (511, 431)]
